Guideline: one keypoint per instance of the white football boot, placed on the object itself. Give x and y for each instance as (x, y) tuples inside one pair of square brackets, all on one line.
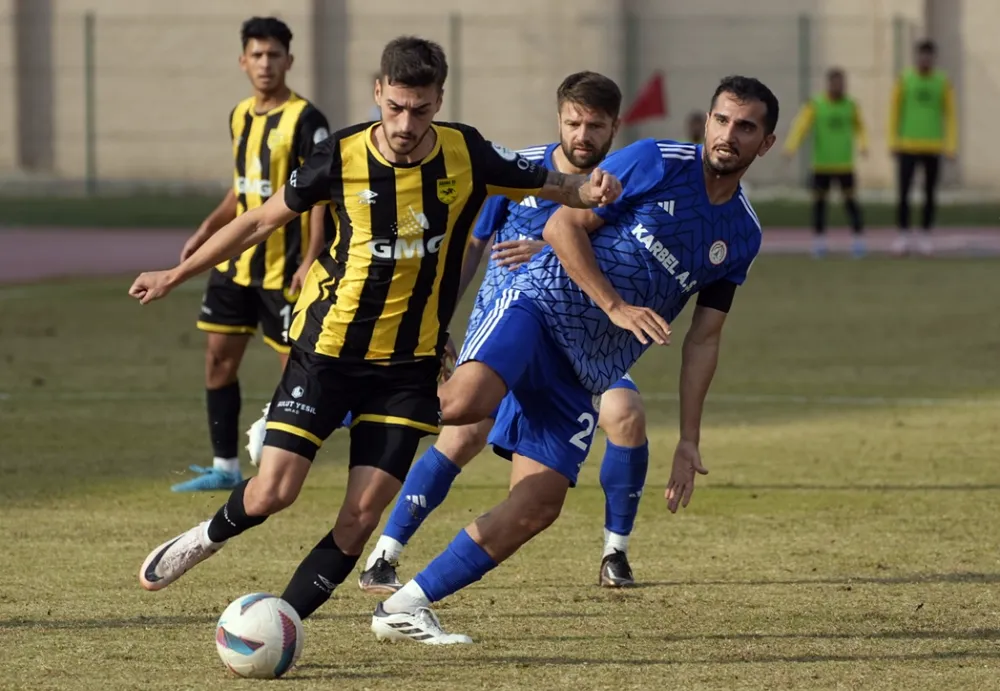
[(176, 556), (256, 434), (420, 625)]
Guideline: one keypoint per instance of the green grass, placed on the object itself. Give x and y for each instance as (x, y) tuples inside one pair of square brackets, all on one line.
[(837, 543), (188, 210)]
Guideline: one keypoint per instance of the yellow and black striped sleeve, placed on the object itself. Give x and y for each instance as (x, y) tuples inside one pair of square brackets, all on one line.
[(504, 172), (313, 182)]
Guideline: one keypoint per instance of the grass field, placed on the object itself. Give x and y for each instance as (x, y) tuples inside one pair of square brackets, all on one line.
[(845, 537), (187, 211)]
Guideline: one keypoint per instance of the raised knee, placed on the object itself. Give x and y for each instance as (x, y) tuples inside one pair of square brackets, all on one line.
[(462, 405), (268, 498), (624, 423)]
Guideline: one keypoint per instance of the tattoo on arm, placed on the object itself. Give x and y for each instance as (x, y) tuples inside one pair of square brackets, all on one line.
[(563, 188)]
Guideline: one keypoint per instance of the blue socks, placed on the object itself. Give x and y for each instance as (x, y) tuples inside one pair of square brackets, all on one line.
[(463, 563), (623, 474), (426, 486)]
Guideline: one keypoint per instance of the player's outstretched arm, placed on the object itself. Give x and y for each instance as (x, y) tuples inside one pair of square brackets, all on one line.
[(581, 191), (243, 232), (568, 231), (699, 357)]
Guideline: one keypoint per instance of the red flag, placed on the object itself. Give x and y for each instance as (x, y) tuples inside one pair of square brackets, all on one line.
[(650, 103)]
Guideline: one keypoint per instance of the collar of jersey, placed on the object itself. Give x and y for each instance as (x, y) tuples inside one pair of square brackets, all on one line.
[(384, 161), (277, 109)]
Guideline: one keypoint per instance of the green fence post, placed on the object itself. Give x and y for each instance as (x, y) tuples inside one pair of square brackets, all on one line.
[(455, 42), (805, 84), (89, 100)]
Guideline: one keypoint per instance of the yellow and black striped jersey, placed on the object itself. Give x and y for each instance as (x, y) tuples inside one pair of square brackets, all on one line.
[(387, 286), (267, 147)]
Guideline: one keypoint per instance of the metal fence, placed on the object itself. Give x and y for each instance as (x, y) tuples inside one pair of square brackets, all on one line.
[(102, 101)]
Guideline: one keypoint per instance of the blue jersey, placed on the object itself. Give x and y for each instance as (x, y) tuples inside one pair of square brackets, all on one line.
[(662, 242), (511, 221)]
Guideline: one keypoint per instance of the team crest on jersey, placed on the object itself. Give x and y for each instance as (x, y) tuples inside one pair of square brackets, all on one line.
[(717, 252), (447, 189)]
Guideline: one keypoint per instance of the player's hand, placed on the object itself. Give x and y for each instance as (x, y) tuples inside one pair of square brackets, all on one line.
[(299, 279), (641, 321), (687, 466), (152, 285), (448, 361), (515, 253), (601, 188), (192, 244)]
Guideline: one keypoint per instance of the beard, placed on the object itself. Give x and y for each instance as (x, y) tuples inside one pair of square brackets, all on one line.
[(587, 159), (726, 167), (404, 147)]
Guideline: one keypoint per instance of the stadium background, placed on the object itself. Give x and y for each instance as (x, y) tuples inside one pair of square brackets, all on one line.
[(108, 96)]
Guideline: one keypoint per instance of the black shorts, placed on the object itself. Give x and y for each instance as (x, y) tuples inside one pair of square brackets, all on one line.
[(229, 308), (822, 182), (392, 408)]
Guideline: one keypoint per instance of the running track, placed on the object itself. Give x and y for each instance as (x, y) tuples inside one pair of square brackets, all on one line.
[(32, 254)]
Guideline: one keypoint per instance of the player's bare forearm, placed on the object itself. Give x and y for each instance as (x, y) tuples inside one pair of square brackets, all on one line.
[(242, 233), (224, 213), (473, 255), (565, 189), (699, 358), (568, 232)]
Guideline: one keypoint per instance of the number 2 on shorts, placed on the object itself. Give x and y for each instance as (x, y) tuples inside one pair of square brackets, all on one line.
[(579, 440)]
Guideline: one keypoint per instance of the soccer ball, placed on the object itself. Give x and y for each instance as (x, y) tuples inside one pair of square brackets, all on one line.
[(259, 636)]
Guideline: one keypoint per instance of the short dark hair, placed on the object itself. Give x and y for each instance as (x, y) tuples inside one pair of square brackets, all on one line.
[(413, 62), (263, 28), (590, 90), (927, 46), (834, 72), (750, 89)]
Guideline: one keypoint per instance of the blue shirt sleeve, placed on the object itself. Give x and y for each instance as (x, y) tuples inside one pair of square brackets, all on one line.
[(491, 217), (640, 168)]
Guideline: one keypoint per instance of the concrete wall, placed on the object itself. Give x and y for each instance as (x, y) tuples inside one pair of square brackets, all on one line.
[(167, 80)]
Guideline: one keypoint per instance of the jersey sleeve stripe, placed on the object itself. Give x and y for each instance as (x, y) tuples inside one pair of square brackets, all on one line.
[(750, 211)]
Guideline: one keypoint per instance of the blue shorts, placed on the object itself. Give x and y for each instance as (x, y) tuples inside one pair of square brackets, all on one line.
[(547, 414), (625, 382)]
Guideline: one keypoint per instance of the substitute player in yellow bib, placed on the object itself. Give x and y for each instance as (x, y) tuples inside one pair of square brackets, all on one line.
[(833, 119), (923, 126), (272, 133), (371, 323)]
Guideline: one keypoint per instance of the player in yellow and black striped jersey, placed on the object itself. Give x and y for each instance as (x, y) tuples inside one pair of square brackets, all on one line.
[(372, 319), (272, 132)]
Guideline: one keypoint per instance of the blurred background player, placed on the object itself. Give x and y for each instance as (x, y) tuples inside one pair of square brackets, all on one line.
[(922, 127), (588, 106), (272, 133), (834, 121), (695, 126)]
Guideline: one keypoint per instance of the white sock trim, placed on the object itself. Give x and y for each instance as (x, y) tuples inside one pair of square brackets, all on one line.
[(614, 542), (387, 548), (229, 465), (410, 597)]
